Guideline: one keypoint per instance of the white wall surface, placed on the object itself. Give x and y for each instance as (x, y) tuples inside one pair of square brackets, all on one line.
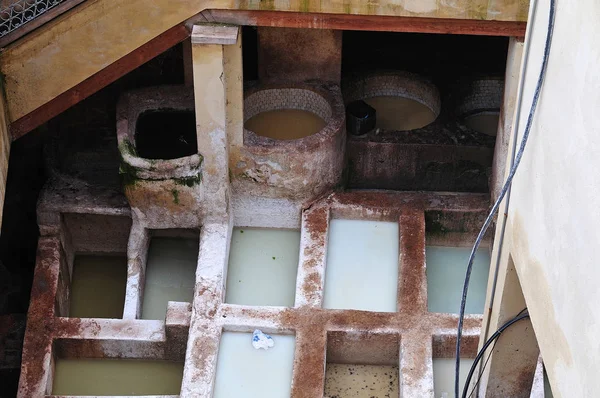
[(554, 216)]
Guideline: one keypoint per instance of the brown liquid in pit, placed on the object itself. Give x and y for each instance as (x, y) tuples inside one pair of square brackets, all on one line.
[(486, 123), (98, 287), (399, 113), (285, 124), (361, 381), (116, 377)]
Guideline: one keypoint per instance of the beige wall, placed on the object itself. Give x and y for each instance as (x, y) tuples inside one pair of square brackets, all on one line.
[(553, 224)]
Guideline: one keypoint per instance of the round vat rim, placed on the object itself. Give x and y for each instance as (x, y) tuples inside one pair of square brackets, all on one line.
[(466, 108), (134, 103), (355, 87), (329, 92)]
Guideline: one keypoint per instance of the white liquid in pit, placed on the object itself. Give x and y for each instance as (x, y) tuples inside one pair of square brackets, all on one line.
[(123, 377), (443, 376), (262, 269), (244, 372), (362, 266), (446, 267), (170, 274), (361, 381)]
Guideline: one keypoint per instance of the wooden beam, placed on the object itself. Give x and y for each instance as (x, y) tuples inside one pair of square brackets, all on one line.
[(99, 80), (4, 151), (367, 22)]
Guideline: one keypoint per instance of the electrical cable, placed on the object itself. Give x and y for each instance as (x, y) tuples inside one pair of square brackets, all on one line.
[(482, 370), (486, 362), (489, 341), (505, 188)]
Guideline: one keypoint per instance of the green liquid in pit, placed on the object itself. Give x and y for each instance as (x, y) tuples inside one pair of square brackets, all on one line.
[(446, 267), (285, 124), (116, 377), (262, 269), (399, 113), (170, 275), (98, 287)]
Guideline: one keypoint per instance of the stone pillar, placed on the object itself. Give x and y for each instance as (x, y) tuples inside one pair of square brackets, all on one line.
[(218, 87), (507, 112), (299, 55)]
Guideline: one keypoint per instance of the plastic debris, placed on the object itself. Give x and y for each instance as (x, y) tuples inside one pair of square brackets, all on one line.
[(262, 340)]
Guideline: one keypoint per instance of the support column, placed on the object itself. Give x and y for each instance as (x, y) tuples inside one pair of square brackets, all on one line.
[(218, 88), (4, 151), (507, 112)]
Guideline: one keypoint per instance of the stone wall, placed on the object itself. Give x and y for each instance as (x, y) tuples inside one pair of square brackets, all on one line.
[(299, 55)]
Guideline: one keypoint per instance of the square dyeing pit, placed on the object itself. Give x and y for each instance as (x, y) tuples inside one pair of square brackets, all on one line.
[(110, 377), (263, 264), (362, 365), (98, 287), (446, 267), (443, 375), (245, 372), (362, 265), (170, 274)]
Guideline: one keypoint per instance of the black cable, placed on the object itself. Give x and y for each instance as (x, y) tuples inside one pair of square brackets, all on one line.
[(482, 370), (489, 341), (505, 188), (487, 359)]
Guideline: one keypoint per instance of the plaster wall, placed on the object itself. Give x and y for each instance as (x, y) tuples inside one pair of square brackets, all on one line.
[(552, 228)]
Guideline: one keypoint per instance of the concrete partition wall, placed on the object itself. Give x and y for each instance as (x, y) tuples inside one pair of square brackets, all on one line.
[(552, 230)]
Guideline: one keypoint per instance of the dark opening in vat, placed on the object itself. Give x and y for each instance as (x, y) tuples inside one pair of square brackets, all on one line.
[(166, 134)]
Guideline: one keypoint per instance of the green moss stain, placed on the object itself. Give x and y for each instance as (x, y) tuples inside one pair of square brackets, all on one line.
[(175, 196), (189, 181), (127, 147), (305, 5), (128, 174), (266, 5)]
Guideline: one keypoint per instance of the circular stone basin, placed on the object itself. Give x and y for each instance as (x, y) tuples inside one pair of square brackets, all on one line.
[(399, 113), (285, 124), (402, 101), (479, 104), (484, 122), (285, 114)]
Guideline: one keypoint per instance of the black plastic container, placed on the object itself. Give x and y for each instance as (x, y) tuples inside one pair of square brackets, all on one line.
[(360, 117)]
